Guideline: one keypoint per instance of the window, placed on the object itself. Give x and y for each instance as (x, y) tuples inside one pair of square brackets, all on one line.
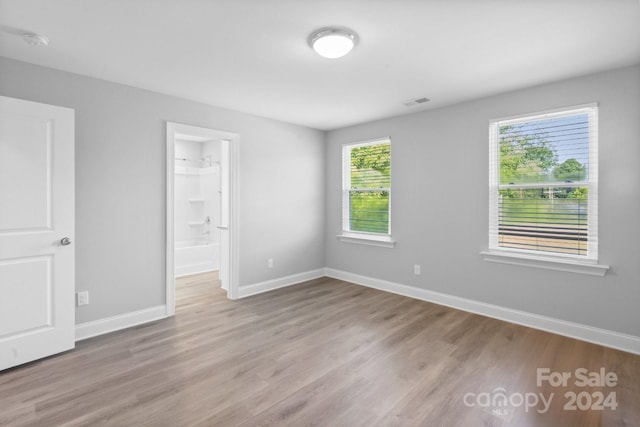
[(544, 185), (366, 190)]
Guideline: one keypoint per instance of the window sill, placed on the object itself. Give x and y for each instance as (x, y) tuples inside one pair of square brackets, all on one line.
[(548, 263), (367, 239)]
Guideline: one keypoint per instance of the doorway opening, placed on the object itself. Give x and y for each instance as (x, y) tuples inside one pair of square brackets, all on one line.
[(201, 206), (197, 208)]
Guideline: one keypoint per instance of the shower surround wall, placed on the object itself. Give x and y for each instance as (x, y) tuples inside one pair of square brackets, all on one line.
[(197, 206)]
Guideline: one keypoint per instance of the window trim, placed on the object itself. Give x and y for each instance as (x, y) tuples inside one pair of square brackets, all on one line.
[(545, 262), (361, 237), (587, 264), (371, 239)]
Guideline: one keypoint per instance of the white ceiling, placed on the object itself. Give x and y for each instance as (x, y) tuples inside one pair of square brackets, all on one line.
[(252, 55)]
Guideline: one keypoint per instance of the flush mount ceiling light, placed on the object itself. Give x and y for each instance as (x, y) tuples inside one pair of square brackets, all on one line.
[(33, 39), (333, 42)]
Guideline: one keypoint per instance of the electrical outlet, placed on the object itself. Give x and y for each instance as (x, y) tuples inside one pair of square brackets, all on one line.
[(416, 269), (83, 298), (270, 263)]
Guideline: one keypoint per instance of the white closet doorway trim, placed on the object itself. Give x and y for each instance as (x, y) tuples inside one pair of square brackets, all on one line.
[(228, 223)]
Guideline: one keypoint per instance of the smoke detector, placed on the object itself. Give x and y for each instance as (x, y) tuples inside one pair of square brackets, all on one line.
[(416, 101), (33, 39)]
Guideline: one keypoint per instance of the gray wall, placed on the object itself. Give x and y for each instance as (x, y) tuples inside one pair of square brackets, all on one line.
[(120, 186), (440, 205)]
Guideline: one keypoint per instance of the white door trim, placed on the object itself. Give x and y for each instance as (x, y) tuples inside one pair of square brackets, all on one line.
[(228, 245)]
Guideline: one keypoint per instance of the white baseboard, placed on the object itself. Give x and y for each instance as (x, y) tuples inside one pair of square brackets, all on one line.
[(624, 342), (281, 282), (122, 321), (620, 341), (127, 320)]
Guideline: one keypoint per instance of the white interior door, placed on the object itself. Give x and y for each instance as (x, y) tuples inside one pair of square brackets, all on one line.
[(37, 286)]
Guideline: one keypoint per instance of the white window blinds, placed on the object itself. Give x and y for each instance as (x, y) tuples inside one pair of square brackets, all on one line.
[(366, 187), (543, 183)]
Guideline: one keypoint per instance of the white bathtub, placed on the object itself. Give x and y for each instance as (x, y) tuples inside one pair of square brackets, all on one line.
[(196, 256)]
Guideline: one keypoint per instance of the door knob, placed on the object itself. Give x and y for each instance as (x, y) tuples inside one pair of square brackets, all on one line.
[(65, 241)]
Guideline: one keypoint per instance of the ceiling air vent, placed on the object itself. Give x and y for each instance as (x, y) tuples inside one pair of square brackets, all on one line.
[(416, 101)]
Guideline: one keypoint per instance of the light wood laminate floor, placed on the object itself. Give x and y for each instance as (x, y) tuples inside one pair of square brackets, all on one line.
[(325, 353)]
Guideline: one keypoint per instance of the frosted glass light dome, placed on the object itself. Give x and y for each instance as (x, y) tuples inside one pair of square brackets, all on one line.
[(333, 42)]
